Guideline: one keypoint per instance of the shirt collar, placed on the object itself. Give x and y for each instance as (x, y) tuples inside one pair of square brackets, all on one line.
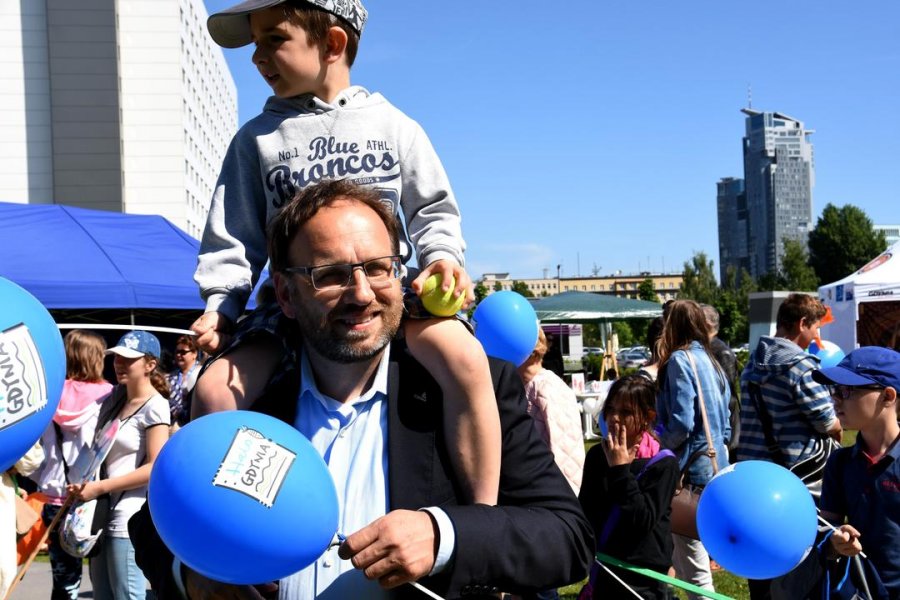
[(893, 451), (378, 386)]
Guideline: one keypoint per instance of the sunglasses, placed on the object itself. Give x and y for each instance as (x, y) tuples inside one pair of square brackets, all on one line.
[(180, 352), (845, 391)]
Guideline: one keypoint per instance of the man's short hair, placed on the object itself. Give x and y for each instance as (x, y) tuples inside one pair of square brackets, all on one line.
[(797, 307), (308, 201), (712, 316)]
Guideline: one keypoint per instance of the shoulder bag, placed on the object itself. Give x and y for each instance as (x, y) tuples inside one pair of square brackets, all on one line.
[(82, 530), (811, 469), (686, 498)]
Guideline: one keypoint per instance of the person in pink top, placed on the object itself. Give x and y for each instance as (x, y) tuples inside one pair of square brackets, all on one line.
[(70, 431), (554, 408)]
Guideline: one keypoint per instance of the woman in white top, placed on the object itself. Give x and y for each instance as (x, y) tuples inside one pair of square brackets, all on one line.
[(142, 411)]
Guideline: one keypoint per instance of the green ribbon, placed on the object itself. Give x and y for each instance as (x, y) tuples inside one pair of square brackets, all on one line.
[(690, 587)]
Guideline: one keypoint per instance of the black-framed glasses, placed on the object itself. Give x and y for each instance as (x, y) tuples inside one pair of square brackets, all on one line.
[(181, 351), (379, 271), (844, 391)]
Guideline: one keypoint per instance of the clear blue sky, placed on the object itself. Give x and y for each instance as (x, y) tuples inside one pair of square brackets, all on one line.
[(588, 133)]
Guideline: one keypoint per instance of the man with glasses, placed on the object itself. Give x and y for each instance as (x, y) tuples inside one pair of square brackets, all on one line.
[(787, 417), (862, 483), (374, 413)]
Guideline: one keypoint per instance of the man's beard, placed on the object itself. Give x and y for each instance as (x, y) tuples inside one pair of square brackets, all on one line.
[(346, 348)]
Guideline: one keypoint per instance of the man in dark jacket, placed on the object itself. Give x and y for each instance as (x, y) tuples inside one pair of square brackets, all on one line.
[(332, 251)]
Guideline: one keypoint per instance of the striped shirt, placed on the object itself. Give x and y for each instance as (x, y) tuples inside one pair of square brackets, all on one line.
[(800, 409)]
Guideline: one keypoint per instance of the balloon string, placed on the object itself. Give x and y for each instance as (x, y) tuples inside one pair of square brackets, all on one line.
[(617, 578), (341, 538), (835, 529), (425, 590)]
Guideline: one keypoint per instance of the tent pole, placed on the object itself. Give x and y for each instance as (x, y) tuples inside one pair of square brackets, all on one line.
[(131, 312)]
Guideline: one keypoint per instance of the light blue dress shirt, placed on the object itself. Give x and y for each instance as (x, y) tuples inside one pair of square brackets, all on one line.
[(352, 438)]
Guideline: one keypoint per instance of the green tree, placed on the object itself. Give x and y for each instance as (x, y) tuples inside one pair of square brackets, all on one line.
[(498, 287), (699, 280), (733, 305), (520, 287), (480, 291), (842, 241), (625, 333), (647, 291), (796, 272)]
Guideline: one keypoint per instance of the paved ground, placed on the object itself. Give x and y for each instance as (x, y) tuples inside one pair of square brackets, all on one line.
[(37, 584)]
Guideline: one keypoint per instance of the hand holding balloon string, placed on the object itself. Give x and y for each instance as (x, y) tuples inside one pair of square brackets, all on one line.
[(845, 539)]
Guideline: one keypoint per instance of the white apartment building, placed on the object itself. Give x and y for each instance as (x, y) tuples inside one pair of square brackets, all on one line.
[(121, 105)]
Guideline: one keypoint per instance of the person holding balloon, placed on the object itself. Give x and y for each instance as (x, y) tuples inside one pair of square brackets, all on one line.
[(373, 413), (627, 492), (786, 416), (142, 411), (687, 368), (71, 430), (861, 487)]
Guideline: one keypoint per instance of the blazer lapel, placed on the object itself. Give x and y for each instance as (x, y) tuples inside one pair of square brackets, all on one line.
[(411, 447)]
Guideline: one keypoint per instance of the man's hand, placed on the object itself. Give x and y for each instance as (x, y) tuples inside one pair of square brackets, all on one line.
[(397, 548), (213, 331), (845, 541), (446, 269), (199, 587)]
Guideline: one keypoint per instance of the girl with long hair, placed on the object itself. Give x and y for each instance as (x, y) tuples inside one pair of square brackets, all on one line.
[(686, 367), (139, 404)]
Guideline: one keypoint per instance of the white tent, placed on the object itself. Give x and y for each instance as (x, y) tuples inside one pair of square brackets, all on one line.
[(866, 304)]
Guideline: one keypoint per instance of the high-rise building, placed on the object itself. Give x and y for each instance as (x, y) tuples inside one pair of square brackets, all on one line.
[(121, 105), (731, 206), (779, 177)]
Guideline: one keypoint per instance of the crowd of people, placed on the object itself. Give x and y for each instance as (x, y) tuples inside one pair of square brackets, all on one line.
[(459, 472)]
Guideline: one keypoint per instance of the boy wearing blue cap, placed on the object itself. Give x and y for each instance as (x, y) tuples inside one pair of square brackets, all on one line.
[(318, 127), (862, 483)]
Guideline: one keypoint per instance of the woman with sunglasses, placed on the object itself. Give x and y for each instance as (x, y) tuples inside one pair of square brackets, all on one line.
[(182, 379)]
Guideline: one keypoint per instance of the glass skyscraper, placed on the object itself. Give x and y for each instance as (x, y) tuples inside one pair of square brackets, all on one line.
[(779, 176)]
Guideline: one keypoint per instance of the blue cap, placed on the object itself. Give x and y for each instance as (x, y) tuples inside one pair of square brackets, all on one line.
[(136, 344), (869, 365)]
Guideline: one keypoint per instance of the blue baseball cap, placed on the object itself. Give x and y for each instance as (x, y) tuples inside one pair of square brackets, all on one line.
[(136, 344), (869, 365)]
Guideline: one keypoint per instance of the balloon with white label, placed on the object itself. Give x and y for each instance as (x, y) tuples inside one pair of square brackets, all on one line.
[(32, 371), (242, 498)]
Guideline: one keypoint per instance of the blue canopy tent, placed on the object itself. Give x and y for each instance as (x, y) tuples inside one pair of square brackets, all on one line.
[(99, 266)]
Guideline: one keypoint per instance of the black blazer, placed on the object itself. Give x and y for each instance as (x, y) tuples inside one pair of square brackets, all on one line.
[(536, 538)]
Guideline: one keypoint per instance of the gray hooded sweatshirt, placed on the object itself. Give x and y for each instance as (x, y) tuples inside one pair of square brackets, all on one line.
[(299, 141)]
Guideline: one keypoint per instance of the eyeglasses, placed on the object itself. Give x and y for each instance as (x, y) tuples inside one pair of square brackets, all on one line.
[(844, 391), (379, 271), (180, 351)]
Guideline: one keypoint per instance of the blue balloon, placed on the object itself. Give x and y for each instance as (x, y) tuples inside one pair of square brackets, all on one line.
[(243, 498), (830, 354), (32, 371), (757, 519), (507, 326)]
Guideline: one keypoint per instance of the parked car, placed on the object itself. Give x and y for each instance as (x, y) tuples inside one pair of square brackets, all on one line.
[(589, 350), (633, 358)]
